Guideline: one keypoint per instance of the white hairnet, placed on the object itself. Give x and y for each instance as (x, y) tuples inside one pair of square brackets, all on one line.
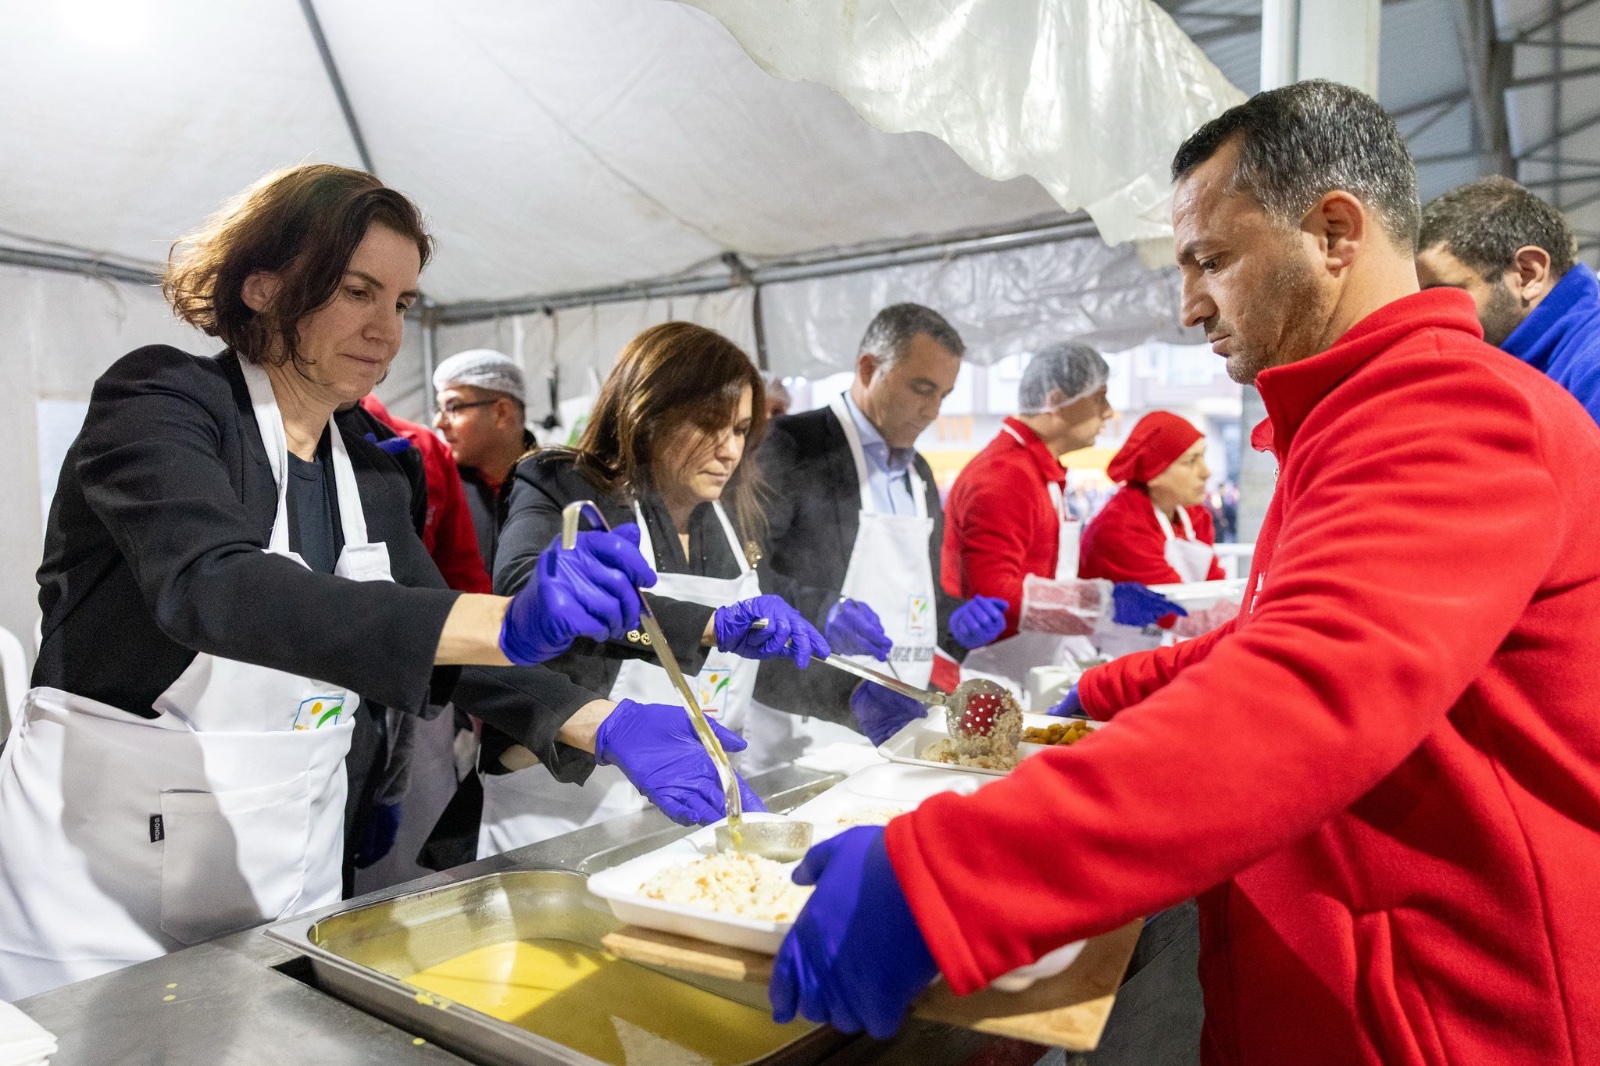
[(481, 368), (1058, 375)]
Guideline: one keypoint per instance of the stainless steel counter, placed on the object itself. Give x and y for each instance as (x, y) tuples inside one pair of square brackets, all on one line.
[(244, 1000)]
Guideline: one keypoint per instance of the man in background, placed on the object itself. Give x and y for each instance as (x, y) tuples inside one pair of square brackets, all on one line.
[(855, 516), (1516, 256), (482, 415)]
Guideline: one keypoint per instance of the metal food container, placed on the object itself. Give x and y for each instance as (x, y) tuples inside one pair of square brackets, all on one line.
[(362, 955)]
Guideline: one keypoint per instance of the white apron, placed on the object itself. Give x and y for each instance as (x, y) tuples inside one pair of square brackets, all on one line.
[(123, 838), (526, 806), (1008, 661), (891, 571), (1190, 558)]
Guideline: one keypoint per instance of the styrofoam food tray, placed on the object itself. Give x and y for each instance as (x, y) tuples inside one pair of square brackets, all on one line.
[(1203, 595), (905, 745), (878, 790)]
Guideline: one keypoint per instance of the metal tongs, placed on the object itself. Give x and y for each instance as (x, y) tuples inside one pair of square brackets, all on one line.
[(774, 839), (970, 711)]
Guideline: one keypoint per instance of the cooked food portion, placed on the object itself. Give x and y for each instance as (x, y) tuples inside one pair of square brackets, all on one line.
[(731, 883), (1066, 732), (996, 750), (868, 816)]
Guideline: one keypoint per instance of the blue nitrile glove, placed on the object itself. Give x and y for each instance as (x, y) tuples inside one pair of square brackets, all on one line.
[(589, 591), (393, 445), (853, 629), (1134, 604), (978, 621), (882, 711), (655, 746), (377, 836), (1070, 706), (855, 958), (786, 633)]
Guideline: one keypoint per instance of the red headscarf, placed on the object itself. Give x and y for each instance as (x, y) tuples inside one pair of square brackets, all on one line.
[(1158, 441)]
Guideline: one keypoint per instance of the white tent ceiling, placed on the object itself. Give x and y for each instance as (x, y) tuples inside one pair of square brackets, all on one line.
[(555, 145)]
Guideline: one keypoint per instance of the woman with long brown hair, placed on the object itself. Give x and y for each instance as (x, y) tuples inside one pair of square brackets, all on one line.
[(228, 564), (664, 448)]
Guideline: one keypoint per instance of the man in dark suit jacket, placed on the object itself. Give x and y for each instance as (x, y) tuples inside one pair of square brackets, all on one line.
[(907, 365)]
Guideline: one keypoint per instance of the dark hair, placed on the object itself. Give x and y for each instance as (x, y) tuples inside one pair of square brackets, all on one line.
[(1483, 223), (672, 376), (1302, 141), (302, 224), (891, 330)]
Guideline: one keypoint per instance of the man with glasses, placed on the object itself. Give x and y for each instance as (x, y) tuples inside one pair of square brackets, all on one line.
[(481, 415)]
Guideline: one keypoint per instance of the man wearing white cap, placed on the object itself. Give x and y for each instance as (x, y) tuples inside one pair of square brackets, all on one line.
[(482, 416)]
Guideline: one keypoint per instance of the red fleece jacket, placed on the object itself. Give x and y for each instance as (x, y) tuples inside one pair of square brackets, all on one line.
[(1000, 523), (1125, 542), (1384, 776)]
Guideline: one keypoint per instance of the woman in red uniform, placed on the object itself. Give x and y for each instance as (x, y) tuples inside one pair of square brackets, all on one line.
[(1154, 530)]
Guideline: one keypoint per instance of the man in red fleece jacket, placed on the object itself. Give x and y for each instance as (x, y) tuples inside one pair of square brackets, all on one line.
[(1383, 778)]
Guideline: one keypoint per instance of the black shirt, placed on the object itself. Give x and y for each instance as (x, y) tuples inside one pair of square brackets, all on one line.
[(315, 533)]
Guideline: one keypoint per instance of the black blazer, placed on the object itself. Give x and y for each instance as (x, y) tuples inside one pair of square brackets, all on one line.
[(813, 514), (154, 553)]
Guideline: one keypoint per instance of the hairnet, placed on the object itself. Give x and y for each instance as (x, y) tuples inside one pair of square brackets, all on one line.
[(1058, 375), (481, 368), (1158, 440)]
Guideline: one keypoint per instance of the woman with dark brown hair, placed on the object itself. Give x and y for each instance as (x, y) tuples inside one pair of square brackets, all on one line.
[(662, 449), (228, 563)]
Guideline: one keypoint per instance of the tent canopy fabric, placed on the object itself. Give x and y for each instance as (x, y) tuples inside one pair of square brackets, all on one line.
[(555, 145)]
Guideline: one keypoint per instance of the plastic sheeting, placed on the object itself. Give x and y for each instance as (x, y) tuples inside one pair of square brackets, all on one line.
[(1001, 303), (1089, 97), (582, 343)]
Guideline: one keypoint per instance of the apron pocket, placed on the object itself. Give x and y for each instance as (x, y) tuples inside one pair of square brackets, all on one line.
[(231, 860)]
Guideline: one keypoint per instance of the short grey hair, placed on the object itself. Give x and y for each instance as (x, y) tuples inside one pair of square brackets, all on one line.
[(890, 333), (1484, 222), (1301, 142), (1068, 370)]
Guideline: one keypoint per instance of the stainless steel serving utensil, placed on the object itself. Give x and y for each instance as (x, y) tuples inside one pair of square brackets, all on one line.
[(756, 838), (970, 710)]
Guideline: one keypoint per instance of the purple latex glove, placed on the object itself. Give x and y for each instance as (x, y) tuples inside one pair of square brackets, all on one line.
[(1133, 604), (1070, 706), (786, 633), (377, 835), (655, 746), (855, 958), (392, 445), (882, 711), (978, 621), (853, 629), (589, 591)]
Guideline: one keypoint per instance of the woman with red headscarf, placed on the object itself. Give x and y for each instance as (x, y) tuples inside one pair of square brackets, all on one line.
[(1154, 529)]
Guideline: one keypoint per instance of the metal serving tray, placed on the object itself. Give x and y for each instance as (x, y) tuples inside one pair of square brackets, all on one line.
[(361, 956)]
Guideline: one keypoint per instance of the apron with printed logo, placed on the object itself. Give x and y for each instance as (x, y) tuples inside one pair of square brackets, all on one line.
[(123, 838), (528, 805), (891, 571)]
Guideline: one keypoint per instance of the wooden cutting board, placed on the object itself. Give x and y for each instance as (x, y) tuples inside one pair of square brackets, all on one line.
[(1068, 1010)]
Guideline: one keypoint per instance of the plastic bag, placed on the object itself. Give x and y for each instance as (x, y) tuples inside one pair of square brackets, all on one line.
[(1071, 608)]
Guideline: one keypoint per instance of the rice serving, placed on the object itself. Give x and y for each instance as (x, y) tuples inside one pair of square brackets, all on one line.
[(731, 883)]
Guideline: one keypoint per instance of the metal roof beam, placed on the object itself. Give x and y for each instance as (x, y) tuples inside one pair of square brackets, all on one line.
[(1555, 75), (1524, 35), (1570, 130)]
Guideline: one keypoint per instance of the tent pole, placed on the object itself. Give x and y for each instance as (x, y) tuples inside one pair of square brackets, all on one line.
[(760, 329), (430, 353), (795, 269), (331, 68), (79, 264)]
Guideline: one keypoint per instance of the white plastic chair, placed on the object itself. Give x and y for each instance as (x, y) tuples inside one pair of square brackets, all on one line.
[(14, 665)]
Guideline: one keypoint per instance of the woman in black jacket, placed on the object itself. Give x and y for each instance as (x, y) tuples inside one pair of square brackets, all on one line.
[(662, 449), (229, 570)]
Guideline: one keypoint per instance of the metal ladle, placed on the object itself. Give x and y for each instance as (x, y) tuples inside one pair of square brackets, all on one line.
[(771, 839)]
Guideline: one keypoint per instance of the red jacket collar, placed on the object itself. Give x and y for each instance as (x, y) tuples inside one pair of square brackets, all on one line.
[(1291, 392), (1048, 464)]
